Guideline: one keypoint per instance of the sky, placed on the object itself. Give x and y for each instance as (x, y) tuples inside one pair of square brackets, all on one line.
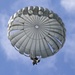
[(62, 63)]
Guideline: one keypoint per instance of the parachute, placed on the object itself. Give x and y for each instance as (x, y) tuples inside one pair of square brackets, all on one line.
[(36, 31)]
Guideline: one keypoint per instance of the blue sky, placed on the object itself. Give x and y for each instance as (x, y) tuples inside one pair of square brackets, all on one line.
[(62, 63)]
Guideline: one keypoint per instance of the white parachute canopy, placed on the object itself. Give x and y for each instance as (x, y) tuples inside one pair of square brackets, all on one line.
[(36, 31)]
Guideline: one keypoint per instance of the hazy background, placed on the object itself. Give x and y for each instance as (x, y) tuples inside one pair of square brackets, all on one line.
[(62, 63)]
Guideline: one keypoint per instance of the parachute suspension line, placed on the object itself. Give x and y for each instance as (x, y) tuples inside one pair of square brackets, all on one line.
[(26, 55), (44, 45), (35, 47), (40, 48), (18, 51), (49, 45)]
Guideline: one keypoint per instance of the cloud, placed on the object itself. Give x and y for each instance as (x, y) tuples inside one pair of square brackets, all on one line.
[(69, 47), (69, 5)]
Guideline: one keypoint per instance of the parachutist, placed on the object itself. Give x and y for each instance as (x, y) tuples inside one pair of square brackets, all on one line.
[(35, 60)]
